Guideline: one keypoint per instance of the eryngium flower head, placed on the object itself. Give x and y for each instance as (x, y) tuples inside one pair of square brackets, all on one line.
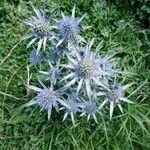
[(47, 98), (90, 108), (84, 69), (40, 27), (115, 96), (72, 106), (35, 58), (69, 28)]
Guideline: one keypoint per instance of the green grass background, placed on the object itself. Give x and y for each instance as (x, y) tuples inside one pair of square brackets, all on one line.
[(28, 128)]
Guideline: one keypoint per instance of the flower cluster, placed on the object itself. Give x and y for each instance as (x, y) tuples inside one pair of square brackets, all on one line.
[(86, 80)]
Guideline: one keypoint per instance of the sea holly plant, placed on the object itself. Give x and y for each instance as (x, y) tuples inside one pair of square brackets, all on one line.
[(81, 81)]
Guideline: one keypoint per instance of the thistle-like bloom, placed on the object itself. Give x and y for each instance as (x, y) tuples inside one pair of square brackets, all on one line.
[(90, 108), (69, 28), (84, 69), (47, 98), (115, 96), (41, 30), (73, 105), (35, 58)]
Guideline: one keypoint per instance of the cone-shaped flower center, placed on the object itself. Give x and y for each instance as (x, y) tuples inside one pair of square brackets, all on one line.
[(85, 68), (41, 29), (46, 98)]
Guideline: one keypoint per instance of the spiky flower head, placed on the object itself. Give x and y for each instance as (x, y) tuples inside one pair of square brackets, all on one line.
[(73, 105), (35, 58), (115, 96), (40, 28), (84, 69), (69, 28), (47, 98), (90, 108)]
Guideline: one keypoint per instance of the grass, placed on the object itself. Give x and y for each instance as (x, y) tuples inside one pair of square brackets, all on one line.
[(28, 128)]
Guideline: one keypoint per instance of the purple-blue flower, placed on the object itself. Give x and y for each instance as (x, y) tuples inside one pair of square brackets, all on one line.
[(69, 28), (47, 98), (84, 69), (115, 96), (41, 30)]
